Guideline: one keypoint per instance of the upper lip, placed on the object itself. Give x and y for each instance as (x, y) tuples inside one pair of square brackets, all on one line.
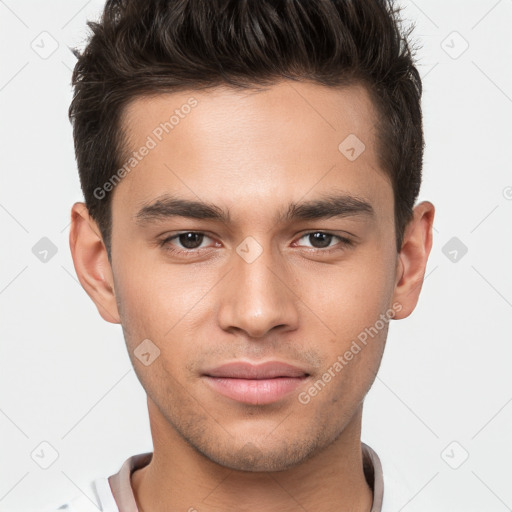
[(246, 370)]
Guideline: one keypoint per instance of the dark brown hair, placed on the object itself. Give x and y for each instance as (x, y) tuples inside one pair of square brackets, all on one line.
[(144, 47)]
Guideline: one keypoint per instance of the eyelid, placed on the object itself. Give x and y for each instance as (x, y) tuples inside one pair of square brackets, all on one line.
[(343, 239), (344, 242), (168, 239)]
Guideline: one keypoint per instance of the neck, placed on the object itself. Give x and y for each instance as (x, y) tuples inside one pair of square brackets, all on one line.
[(181, 478)]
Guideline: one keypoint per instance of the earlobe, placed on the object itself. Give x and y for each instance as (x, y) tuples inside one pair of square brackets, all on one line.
[(413, 258), (91, 262)]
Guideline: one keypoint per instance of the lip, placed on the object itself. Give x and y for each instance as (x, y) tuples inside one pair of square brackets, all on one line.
[(246, 370), (255, 384)]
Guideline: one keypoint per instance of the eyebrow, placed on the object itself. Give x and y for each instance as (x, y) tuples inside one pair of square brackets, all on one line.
[(327, 206)]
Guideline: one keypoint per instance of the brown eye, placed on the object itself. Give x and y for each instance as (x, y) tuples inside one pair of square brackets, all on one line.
[(190, 240), (322, 240), (186, 243)]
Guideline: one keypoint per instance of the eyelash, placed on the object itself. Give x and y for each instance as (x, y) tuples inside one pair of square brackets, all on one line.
[(345, 242)]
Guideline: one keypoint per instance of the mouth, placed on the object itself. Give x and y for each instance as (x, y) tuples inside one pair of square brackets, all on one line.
[(255, 384)]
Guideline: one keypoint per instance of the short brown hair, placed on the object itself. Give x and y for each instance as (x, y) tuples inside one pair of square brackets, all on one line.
[(142, 47)]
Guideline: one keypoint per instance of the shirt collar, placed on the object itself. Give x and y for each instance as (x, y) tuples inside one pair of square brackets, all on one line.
[(120, 482)]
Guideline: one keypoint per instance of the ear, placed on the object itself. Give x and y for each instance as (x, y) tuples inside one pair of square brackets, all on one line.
[(412, 259), (91, 262)]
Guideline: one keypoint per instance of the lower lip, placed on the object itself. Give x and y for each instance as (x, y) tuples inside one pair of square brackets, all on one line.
[(255, 392)]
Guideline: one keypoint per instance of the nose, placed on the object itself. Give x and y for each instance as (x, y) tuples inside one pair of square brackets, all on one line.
[(258, 296)]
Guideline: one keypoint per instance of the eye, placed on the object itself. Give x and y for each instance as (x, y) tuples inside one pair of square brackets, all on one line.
[(322, 240), (190, 242)]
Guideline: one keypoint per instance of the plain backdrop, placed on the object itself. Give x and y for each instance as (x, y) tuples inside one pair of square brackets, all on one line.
[(441, 406)]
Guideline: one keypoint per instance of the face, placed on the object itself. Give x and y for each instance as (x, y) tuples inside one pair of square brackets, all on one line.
[(252, 278)]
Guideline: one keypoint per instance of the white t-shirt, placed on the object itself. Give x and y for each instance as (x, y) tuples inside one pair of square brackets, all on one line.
[(391, 489)]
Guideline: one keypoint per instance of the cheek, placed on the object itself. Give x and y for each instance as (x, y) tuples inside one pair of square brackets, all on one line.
[(163, 304), (154, 298), (348, 298)]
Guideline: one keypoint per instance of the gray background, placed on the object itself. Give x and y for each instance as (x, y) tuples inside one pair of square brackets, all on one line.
[(440, 408)]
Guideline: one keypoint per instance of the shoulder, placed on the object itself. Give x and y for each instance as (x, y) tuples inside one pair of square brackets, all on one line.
[(78, 504), (392, 489), (97, 498), (99, 495), (398, 488)]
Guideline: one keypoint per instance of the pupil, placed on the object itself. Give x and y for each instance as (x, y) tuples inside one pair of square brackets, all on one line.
[(323, 238), (193, 240), (189, 240)]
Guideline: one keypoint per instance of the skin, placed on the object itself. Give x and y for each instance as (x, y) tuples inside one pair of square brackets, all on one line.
[(253, 153)]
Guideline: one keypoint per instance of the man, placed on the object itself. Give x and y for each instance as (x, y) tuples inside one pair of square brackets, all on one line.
[(250, 171)]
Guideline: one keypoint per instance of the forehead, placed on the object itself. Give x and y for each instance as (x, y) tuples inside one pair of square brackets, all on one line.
[(254, 149)]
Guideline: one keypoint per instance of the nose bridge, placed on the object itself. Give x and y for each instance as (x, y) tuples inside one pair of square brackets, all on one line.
[(256, 298)]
